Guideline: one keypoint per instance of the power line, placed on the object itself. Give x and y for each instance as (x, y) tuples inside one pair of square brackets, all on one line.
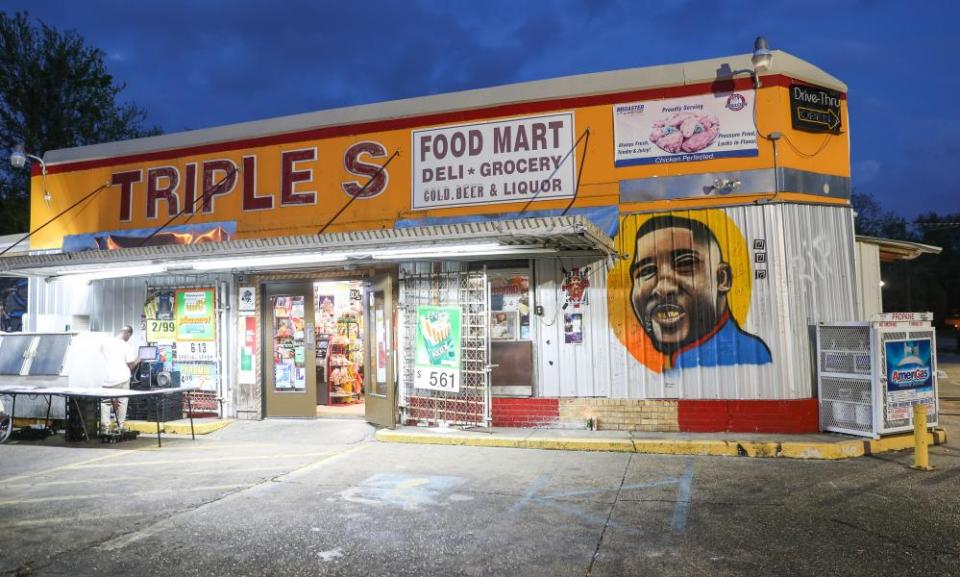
[(559, 164), (63, 212), (359, 192), (583, 162)]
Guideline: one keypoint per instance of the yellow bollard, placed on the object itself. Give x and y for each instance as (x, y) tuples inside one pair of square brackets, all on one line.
[(921, 458)]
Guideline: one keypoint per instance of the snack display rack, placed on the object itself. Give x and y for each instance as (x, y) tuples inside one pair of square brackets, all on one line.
[(345, 362)]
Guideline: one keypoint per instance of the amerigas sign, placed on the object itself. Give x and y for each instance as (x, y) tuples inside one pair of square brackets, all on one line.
[(494, 162)]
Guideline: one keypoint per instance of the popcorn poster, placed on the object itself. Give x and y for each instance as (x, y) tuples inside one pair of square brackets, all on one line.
[(438, 337), (687, 129), (437, 353)]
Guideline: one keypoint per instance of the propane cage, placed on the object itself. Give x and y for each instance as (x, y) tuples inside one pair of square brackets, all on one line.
[(855, 394)]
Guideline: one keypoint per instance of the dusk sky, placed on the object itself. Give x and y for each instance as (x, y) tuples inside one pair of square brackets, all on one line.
[(195, 64)]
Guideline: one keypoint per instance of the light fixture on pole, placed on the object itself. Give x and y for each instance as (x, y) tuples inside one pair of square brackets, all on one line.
[(18, 158), (762, 57)]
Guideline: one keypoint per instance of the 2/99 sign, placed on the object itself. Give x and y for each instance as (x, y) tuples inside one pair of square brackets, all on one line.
[(436, 379), (159, 331)]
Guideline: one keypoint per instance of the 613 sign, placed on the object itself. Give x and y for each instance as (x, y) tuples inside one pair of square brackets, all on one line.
[(196, 351)]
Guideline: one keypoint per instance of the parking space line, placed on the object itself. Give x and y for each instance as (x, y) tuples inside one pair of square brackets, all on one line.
[(73, 482), (124, 540), (84, 520), (232, 470), (204, 445), (125, 495), (202, 460), (683, 499), (112, 455), (102, 481)]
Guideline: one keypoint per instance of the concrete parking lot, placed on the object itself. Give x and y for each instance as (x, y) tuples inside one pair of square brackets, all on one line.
[(322, 498)]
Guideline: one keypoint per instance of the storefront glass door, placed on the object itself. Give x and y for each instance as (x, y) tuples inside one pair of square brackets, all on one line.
[(378, 378), (289, 374)]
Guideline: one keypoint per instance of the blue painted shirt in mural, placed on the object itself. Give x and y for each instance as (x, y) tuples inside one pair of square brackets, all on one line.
[(726, 345)]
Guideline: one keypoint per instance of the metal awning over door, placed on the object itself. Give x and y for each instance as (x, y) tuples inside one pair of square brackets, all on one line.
[(519, 238)]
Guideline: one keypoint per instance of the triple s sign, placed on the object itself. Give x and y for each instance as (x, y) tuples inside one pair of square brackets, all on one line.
[(181, 188), (492, 162)]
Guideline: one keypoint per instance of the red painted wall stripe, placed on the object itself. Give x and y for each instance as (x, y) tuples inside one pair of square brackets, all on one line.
[(792, 416), (424, 120)]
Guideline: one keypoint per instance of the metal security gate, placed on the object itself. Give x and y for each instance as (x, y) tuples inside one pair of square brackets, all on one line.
[(467, 289)]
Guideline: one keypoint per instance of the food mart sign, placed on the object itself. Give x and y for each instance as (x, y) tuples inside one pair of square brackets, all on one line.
[(512, 160)]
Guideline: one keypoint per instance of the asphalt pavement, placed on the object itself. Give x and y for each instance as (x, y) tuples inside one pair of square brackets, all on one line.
[(287, 497)]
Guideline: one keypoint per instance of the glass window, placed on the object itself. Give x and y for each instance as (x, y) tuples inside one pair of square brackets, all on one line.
[(289, 344), (509, 304)]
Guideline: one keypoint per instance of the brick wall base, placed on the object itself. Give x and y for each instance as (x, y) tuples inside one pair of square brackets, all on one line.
[(530, 412), (694, 416), (620, 414)]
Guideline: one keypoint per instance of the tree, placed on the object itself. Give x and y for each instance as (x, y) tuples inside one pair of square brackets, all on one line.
[(55, 92), (872, 220)]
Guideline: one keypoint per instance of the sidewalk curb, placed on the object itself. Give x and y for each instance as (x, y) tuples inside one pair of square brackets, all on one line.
[(844, 449), (177, 427)]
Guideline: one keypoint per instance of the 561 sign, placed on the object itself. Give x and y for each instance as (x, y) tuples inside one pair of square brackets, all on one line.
[(437, 351), (436, 379)]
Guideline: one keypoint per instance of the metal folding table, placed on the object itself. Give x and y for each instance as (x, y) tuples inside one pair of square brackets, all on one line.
[(99, 393)]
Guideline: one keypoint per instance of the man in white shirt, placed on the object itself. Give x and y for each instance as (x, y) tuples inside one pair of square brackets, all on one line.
[(119, 357)]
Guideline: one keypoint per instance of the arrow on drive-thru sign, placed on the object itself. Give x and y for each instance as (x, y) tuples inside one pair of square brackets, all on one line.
[(826, 118)]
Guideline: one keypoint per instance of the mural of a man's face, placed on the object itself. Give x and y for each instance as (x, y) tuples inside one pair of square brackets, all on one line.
[(679, 284)]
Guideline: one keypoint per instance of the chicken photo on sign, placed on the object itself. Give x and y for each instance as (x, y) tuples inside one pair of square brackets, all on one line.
[(685, 131)]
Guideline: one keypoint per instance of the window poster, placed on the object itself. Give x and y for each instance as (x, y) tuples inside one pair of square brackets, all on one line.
[(247, 373), (247, 299), (202, 375), (195, 314), (573, 328), (158, 316), (437, 349)]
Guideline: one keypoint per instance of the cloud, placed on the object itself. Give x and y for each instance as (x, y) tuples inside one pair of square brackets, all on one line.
[(865, 171), (199, 63)]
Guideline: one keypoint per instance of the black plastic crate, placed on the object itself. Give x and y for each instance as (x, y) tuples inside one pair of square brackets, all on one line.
[(146, 408)]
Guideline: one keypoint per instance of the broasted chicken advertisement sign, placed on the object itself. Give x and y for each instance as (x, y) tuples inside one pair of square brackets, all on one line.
[(703, 127)]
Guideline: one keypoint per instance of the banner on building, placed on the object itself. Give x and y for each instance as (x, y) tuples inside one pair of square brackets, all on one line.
[(909, 374), (494, 162), (685, 129), (437, 349)]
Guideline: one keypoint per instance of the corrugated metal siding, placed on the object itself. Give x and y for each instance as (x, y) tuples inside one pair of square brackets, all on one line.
[(50, 306), (821, 278), (810, 277), (569, 370), (868, 275), (112, 303)]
